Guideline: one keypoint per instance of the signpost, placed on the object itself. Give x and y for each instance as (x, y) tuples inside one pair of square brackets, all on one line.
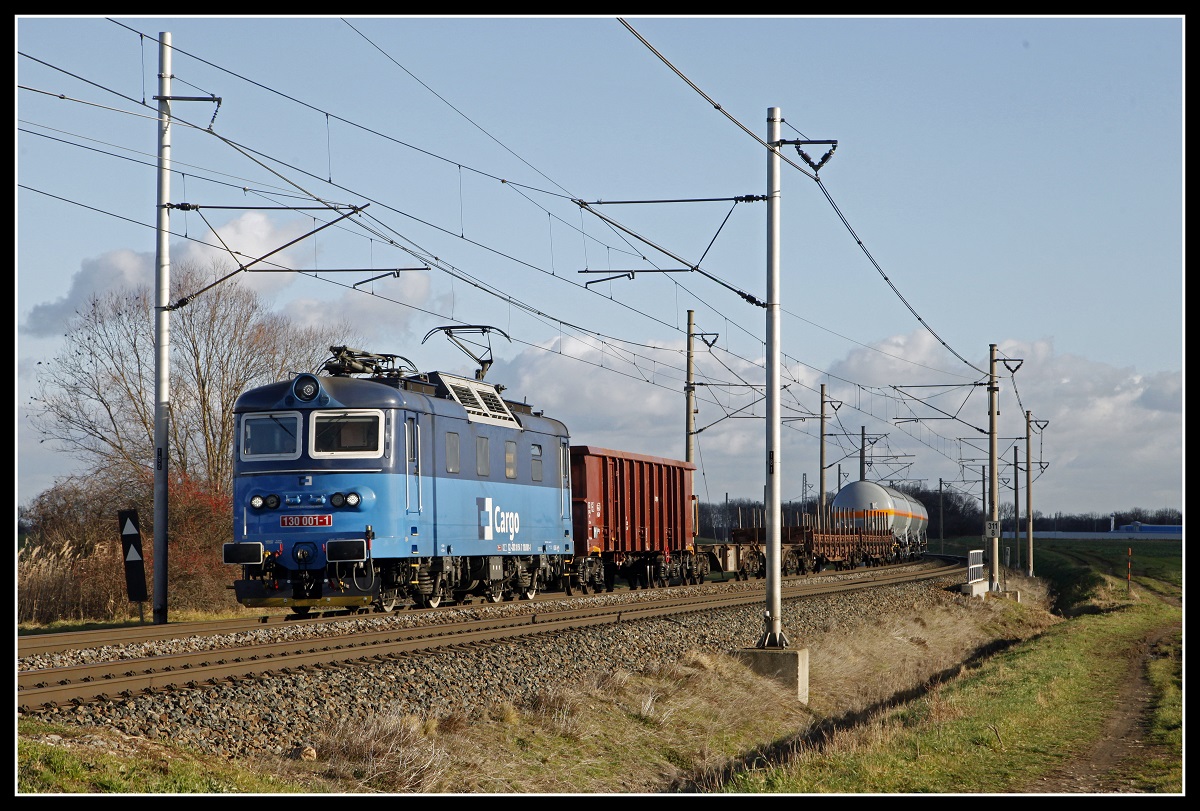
[(131, 551)]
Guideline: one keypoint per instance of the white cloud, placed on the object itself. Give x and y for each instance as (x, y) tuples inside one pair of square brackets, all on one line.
[(110, 271), (252, 235), (1162, 391), (371, 308), (1113, 439)]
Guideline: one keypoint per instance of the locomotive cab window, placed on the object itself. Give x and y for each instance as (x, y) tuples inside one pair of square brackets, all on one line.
[(356, 434), (270, 436)]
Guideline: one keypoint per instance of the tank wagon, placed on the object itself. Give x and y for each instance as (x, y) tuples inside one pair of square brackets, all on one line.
[(865, 505), (866, 524)]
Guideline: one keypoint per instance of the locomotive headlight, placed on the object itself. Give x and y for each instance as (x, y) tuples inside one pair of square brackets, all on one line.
[(353, 499), (306, 388), (257, 502), (337, 499), (272, 502)]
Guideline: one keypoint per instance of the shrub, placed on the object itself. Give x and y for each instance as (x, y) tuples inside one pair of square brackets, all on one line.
[(71, 565)]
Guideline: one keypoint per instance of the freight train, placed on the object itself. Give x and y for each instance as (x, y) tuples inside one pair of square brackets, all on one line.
[(374, 485)]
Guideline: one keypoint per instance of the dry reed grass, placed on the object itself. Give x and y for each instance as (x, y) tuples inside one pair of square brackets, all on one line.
[(382, 753)]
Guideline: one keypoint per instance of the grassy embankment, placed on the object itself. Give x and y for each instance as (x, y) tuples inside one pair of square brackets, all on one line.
[(1028, 709)]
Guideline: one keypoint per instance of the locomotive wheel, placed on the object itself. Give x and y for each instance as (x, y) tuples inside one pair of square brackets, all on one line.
[(527, 585), (495, 592), (301, 610), (432, 601), (387, 602)]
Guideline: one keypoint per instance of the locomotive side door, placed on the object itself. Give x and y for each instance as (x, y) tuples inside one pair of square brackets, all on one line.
[(412, 463)]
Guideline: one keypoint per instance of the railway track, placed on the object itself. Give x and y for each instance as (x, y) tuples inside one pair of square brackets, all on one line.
[(31, 645), (244, 659)]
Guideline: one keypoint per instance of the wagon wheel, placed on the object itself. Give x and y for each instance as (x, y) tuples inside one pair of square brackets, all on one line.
[(432, 601), (495, 591), (530, 592), (301, 610)]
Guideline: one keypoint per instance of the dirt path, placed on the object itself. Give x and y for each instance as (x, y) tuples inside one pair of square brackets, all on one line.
[(1111, 767)]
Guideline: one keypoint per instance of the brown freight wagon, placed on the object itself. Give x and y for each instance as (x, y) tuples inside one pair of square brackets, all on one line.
[(633, 516)]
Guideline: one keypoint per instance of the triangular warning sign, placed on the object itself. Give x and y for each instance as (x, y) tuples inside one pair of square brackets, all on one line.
[(133, 554), (130, 529)]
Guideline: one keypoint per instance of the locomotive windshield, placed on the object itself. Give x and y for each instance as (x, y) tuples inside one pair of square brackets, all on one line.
[(347, 433), (271, 436), (277, 435)]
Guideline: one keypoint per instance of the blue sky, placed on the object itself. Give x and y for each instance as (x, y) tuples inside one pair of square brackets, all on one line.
[(1010, 181)]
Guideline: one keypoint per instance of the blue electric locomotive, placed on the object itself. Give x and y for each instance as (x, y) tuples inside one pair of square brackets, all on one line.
[(374, 484)]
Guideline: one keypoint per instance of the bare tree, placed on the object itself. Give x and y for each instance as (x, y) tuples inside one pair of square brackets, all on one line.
[(96, 399), (93, 398), (223, 344)]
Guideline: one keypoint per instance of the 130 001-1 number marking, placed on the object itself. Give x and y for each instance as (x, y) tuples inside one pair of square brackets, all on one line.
[(306, 520)]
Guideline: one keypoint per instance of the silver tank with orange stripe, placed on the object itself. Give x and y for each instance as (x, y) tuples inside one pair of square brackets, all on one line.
[(875, 505)]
